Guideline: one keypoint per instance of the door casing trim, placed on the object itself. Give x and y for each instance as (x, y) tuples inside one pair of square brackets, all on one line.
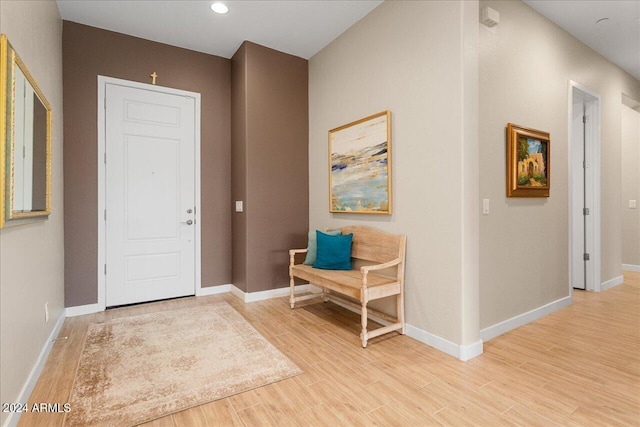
[(103, 81), (595, 171)]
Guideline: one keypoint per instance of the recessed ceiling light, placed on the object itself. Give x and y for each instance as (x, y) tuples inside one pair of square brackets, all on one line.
[(220, 8)]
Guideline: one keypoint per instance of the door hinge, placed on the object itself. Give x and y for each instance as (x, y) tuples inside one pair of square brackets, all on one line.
[(105, 269), (585, 257), (105, 158), (585, 211), (585, 119), (105, 214), (105, 102)]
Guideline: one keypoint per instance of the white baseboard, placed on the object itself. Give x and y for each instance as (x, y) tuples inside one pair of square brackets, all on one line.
[(237, 292), (81, 310), (264, 295), (522, 319), (631, 267), (460, 352), (611, 283), (468, 352), (200, 292), (213, 290), (32, 379)]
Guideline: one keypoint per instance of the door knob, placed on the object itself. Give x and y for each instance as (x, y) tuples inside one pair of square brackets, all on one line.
[(188, 222), (189, 211)]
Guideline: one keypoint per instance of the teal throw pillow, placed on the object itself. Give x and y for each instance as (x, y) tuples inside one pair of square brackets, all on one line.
[(334, 252), (312, 246)]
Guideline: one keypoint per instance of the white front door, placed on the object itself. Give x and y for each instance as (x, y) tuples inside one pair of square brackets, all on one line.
[(150, 195)]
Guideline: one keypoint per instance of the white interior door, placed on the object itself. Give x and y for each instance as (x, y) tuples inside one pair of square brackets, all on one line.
[(584, 219), (150, 195), (578, 277)]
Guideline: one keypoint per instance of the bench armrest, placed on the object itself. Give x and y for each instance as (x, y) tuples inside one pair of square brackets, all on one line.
[(368, 268), (297, 251), (292, 255)]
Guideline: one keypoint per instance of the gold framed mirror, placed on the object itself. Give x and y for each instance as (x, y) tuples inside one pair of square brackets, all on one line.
[(25, 142)]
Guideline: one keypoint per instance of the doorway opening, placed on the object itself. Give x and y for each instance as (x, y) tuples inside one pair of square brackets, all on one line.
[(584, 188)]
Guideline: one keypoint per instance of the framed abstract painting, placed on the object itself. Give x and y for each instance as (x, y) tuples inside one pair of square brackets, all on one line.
[(360, 166)]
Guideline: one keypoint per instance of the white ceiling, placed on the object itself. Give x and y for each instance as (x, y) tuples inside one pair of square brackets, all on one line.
[(304, 27), (617, 39), (300, 28)]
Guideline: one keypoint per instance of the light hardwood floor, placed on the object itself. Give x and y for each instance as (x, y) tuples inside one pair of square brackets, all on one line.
[(577, 367)]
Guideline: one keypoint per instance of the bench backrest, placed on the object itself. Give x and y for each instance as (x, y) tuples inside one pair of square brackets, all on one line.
[(373, 245)]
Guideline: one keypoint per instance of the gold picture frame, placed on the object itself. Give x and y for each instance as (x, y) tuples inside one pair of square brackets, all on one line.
[(360, 166), (25, 142), (528, 162)]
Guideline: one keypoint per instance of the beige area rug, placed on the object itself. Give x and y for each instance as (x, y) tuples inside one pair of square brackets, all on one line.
[(140, 368)]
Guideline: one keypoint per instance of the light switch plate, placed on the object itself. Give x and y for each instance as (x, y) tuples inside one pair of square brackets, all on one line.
[(632, 204), (239, 207), (485, 206)]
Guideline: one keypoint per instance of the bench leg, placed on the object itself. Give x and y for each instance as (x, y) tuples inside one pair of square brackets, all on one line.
[(364, 335), (400, 310), (292, 298), (324, 295)]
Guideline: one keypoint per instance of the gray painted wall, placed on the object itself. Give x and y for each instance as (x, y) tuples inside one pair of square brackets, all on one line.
[(32, 255), (524, 79), (417, 59)]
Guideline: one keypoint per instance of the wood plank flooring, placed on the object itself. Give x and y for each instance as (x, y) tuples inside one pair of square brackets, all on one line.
[(576, 367)]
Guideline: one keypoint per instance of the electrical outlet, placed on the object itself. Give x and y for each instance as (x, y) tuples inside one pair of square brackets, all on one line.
[(46, 311)]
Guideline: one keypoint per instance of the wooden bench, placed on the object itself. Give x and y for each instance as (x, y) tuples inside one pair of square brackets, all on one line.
[(385, 251)]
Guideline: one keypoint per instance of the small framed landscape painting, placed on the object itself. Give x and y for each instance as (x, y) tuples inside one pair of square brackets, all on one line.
[(528, 162), (360, 166)]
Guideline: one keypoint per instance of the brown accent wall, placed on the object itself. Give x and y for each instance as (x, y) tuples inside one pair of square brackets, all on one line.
[(89, 52), (270, 162), (239, 164)]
